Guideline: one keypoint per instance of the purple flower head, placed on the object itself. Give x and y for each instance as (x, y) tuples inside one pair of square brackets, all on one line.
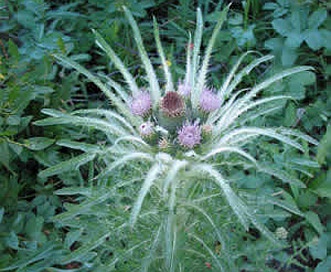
[(189, 135), (184, 88), (141, 103), (146, 129), (209, 101)]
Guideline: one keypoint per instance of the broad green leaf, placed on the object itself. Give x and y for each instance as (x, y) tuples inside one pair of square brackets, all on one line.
[(2, 211), (12, 241), (317, 18), (326, 36), (323, 150), (324, 266), (319, 248), (282, 26), (288, 56), (314, 39), (34, 227), (297, 84), (323, 188), (294, 40), (315, 221)]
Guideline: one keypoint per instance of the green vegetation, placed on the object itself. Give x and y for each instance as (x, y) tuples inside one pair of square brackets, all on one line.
[(91, 181)]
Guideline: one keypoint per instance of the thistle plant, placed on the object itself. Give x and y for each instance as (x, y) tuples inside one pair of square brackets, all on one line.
[(183, 141)]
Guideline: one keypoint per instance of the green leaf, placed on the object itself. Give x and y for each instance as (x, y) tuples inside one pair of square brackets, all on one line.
[(319, 249), (34, 227), (5, 156), (72, 237), (315, 221), (323, 150), (317, 18), (324, 266), (45, 252), (13, 51), (282, 26), (74, 191), (288, 56), (326, 36), (294, 40), (2, 211), (151, 75), (89, 246), (12, 241), (38, 143), (85, 206), (314, 39), (14, 120), (69, 165), (324, 187), (78, 145)]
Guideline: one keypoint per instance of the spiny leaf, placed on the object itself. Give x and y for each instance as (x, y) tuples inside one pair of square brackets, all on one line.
[(151, 76), (95, 199), (196, 47), (95, 123), (266, 83), (88, 148), (169, 84), (45, 252), (68, 165), (117, 61), (87, 247), (280, 174), (123, 160), (201, 81), (117, 102), (150, 178), (231, 137), (229, 149)]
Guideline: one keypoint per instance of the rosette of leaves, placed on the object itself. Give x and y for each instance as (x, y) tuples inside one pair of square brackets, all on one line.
[(169, 149)]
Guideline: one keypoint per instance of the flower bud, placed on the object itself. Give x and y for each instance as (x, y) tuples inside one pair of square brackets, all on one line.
[(146, 129), (172, 109), (172, 105)]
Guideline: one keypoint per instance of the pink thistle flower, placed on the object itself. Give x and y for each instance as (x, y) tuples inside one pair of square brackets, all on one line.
[(184, 88), (141, 103), (189, 135), (209, 101)]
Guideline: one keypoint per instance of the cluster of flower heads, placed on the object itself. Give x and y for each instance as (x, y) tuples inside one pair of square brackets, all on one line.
[(172, 107)]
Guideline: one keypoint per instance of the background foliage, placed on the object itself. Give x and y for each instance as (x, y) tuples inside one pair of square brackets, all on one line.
[(35, 234)]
